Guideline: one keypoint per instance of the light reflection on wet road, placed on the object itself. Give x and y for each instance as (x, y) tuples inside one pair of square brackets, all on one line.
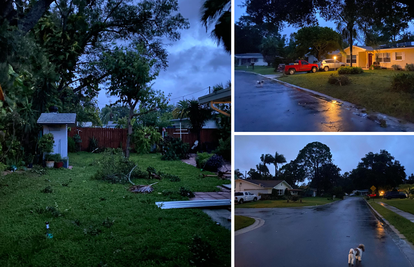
[(316, 236), (274, 107)]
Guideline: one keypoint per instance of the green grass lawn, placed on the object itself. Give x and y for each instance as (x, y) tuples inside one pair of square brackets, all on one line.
[(402, 224), (370, 90), (406, 205), (308, 201), (95, 223), (242, 222), (258, 69)]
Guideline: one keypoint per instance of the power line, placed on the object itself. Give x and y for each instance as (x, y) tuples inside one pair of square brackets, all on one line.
[(189, 94)]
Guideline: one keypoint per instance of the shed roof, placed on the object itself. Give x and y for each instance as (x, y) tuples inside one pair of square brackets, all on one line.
[(57, 118)]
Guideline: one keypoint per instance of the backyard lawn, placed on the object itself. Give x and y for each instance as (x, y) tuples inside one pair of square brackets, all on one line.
[(95, 223), (257, 69), (369, 90), (242, 222), (308, 201), (403, 225)]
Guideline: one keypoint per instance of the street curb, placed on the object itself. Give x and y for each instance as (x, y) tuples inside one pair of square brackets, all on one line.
[(391, 121), (383, 220), (257, 224)]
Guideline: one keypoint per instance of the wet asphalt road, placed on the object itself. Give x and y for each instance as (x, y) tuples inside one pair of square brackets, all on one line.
[(274, 107), (317, 236)]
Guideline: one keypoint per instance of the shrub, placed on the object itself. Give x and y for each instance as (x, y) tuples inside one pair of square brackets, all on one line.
[(409, 67), (339, 80), (93, 144), (224, 149), (213, 163), (186, 192), (350, 70), (396, 67), (71, 145), (115, 168), (295, 198), (144, 138), (46, 142), (403, 82), (174, 149), (53, 157), (202, 158)]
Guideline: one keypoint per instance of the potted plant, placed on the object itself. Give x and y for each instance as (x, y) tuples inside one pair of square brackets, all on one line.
[(50, 162), (58, 161), (46, 142)]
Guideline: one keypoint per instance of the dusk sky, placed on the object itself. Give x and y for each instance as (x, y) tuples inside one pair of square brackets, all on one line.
[(240, 11), (347, 150), (195, 61)]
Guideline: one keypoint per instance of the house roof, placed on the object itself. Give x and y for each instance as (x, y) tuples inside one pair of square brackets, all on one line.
[(57, 118), (265, 183), (249, 55), (218, 96)]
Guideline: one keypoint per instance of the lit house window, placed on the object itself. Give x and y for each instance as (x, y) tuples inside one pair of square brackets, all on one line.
[(383, 57), (398, 55), (348, 59)]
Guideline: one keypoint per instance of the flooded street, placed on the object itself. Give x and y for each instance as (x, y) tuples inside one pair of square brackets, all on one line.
[(317, 236), (273, 107)]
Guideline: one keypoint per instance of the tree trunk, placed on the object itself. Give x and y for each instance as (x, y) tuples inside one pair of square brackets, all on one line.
[(128, 141), (350, 47)]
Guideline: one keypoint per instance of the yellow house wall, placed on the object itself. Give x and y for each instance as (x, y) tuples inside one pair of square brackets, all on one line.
[(408, 57)]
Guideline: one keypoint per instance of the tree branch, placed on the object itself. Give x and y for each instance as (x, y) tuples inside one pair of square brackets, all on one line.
[(32, 17)]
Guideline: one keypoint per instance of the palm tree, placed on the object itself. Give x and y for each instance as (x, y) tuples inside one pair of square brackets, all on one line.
[(218, 12), (181, 112), (108, 114), (262, 168), (278, 159), (198, 115)]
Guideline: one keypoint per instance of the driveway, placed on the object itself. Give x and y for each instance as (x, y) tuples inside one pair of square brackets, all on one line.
[(274, 107), (317, 236)]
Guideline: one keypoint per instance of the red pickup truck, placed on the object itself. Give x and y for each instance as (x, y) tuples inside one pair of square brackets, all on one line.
[(300, 65)]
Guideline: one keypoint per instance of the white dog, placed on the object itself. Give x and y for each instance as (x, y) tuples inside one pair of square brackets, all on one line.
[(355, 254), (260, 83)]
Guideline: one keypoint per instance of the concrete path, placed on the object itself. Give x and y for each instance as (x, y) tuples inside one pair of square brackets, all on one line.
[(404, 214)]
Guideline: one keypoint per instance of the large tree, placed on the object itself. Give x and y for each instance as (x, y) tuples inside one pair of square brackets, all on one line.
[(317, 41), (311, 158), (131, 74), (292, 173), (276, 160)]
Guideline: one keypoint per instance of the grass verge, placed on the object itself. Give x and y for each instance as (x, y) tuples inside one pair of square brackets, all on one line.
[(403, 225), (264, 70), (370, 90), (242, 222), (309, 201), (95, 223), (406, 205)]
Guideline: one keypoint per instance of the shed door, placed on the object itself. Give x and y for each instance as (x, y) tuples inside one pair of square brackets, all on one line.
[(57, 135)]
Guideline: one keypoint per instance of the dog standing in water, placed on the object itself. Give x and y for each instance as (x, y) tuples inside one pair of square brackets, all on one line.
[(355, 254), (260, 83)]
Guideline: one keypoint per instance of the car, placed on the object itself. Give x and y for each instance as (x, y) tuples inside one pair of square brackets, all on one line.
[(245, 196), (300, 65), (372, 195), (328, 64), (395, 194)]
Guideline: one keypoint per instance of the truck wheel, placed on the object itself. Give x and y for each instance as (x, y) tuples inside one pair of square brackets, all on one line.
[(292, 71), (241, 201), (255, 199), (313, 70), (326, 68)]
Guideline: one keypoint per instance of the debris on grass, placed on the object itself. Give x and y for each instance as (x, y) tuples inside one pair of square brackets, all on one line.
[(186, 192), (142, 188)]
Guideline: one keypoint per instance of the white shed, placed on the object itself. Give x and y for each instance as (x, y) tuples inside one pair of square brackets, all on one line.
[(57, 124)]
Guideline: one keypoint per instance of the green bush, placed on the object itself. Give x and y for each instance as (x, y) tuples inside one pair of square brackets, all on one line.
[(403, 82), (409, 67), (224, 149), (202, 158), (396, 67), (174, 149), (53, 157), (144, 138), (350, 70), (93, 144), (71, 145), (114, 168), (214, 163), (46, 142), (339, 80)]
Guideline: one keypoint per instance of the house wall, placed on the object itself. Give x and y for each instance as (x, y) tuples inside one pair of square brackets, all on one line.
[(246, 186), (407, 56), (60, 136), (247, 61)]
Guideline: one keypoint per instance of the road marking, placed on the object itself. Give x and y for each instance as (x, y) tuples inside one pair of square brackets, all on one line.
[(257, 224)]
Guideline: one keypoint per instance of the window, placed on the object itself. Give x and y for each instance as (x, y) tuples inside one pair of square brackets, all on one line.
[(348, 59), (304, 62), (255, 60), (383, 57), (279, 192), (398, 56)]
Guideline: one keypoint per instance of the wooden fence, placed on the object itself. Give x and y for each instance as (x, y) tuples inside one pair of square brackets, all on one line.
[(114, 138)]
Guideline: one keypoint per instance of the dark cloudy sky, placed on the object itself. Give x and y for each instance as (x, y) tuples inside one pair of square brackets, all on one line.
[(240, 11), (195, 61), (347, 150)]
